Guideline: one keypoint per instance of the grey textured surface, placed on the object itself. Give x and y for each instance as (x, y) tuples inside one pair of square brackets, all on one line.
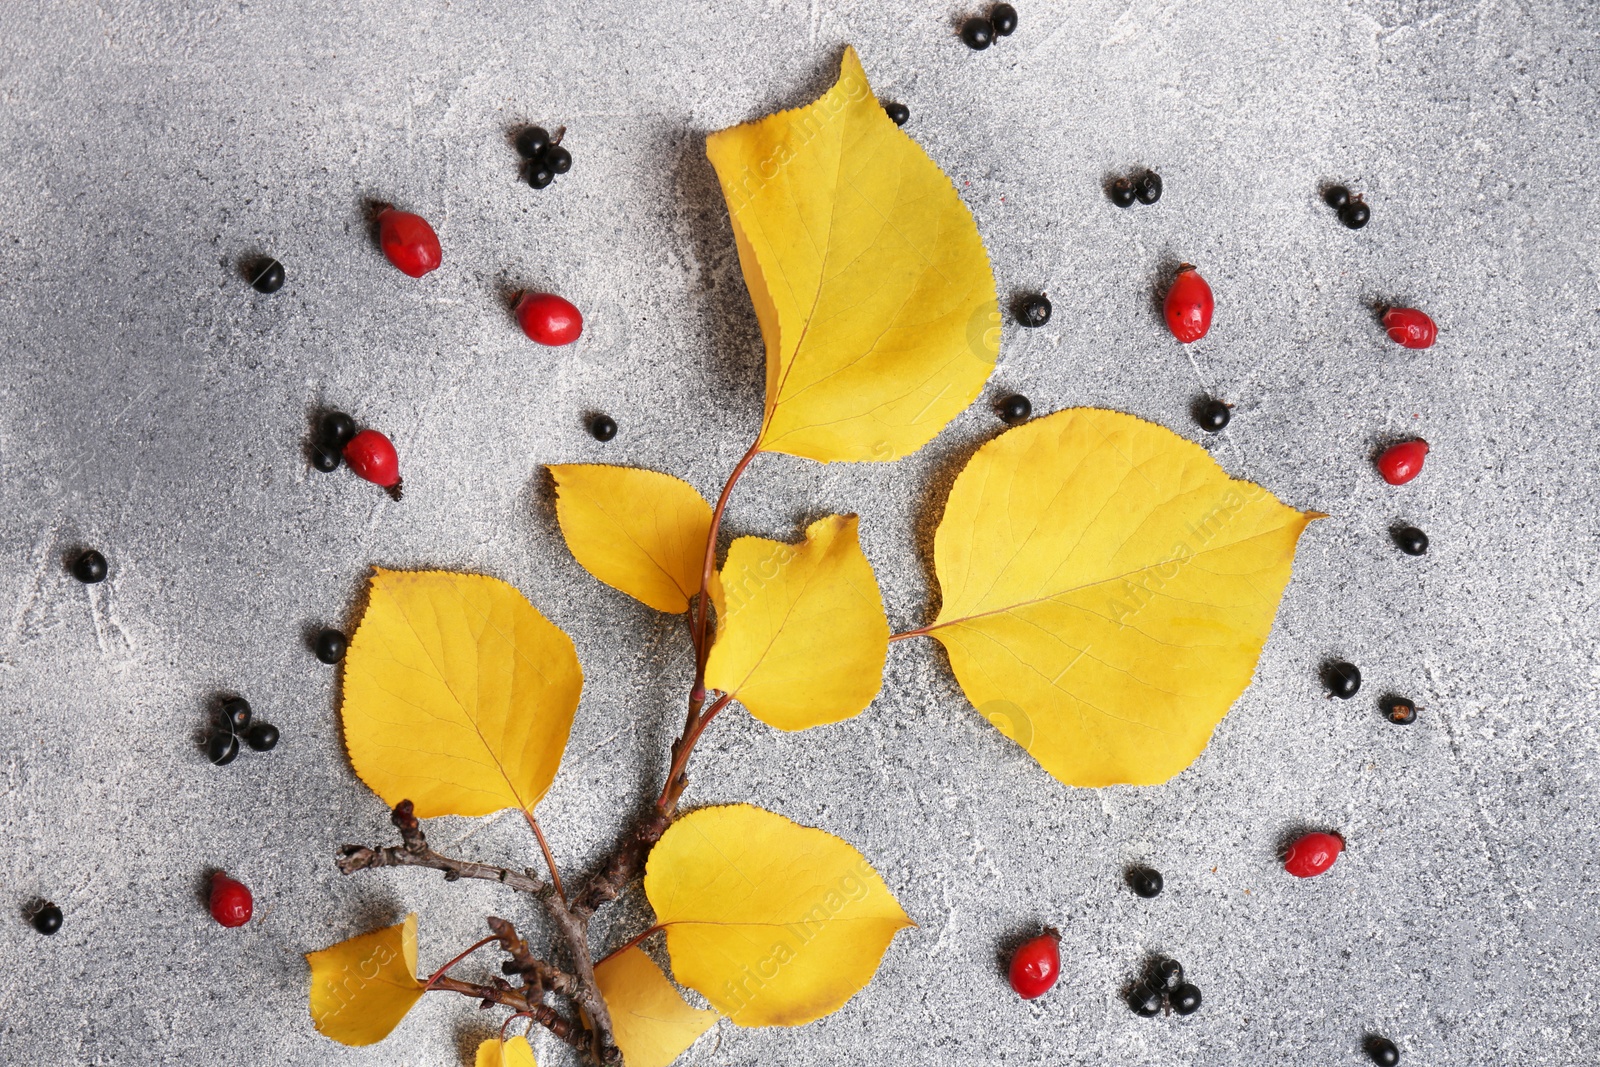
[(157, 408)]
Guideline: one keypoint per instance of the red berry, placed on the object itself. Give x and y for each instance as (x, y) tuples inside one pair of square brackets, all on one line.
[(408, 241), (231, 903), (1409, 327), (1313, 854), (1402, 462), (1189, 305), (1036, 965), (549, 319), (372, 456)]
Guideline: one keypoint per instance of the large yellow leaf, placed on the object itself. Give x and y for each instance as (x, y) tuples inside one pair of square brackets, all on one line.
[(650, 1020), (638, 531), (868, 277), (363, 987), (774, 923), (801, 635), (457, 694), (1107, 591), (494, 1052)]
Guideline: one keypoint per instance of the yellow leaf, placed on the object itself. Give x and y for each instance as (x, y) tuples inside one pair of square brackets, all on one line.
[(513, 1053), (1107, 591), (867, 274), (638, 531), (363, 987), (774, 923), (651, 1021), (801, 635), (457, 694)]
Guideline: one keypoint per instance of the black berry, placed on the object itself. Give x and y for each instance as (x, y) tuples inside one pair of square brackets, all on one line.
[(558, 159), (898, 113), (978, 33), (1213, 415), (532, 142), (1034, 311), (1123, 192), (47, 920), (1149, 188), (540, 174), (337, 429), (89, 568), (1382, 1051), (1336, 197), (222, 747), (324, 456), (330, 645), (1145, 999), (1003, 17), (1145, 882), (603, 427), (1355, 214), (1399, 711), (1167, 974), (235, 711), (1014, 409), (263, 736), (1342, 679), (1412, 541), (266, 275), (1185, 999)]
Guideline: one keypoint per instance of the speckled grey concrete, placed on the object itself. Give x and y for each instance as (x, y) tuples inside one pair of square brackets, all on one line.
[(156, 407)]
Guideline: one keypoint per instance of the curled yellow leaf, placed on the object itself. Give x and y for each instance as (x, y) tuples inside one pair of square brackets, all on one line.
[(652, 1023), (458, 694), (868, 277), (363, 987), (494, 1052), (1107, 592), (774, 923), (801, 634), (636, 530)]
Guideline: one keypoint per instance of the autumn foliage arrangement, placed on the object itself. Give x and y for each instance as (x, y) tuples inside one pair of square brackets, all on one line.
[(1106, 590)]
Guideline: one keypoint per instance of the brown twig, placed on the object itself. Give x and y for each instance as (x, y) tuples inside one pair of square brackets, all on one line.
[(573, 932), (524, 1005), (538, 975), (414, 852), (623, 867)]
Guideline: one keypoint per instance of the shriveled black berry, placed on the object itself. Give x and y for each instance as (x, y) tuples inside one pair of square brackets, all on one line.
[(1034, 311), (330, 645), (978, 33), (89, 567), (898, 113), (532, 142), (1342, 679), (1124, 192), (603, 427), (1014, 409), (558, 159), (1355, 214), (1148, 189), (235, 711), (1185, 999), (540, 174), (1213, 415), (1412, 541), (1382, 1051), (324, 456), (47, 919), (1145, 882), (1336, 196), (337, 429), (266, 275), (1399, 710), (1167, 974), (263, 737), (222, 747), (1145, 1000), (1003, 17)]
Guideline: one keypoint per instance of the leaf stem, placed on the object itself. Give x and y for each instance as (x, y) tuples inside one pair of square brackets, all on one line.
[(549, 858), (702, 609), (463, 954), (921, 631), (626, 945)]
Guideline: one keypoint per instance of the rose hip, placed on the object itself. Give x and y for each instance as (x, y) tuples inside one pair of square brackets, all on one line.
[(1409, 327), (1312, 854), (1402, 462), (408, 241), (1189, 305)]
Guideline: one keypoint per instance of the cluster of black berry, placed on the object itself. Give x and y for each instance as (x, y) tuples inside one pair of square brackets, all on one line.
[(546, 158), (336, 431), (1163, 986), (1353, 210), (979, 32), (233, 721), (1344, 681), (1145, 188)]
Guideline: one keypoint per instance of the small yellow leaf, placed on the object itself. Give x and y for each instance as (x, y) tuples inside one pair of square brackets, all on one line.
[(801, 634), (363, 987), (494, 1052), (868, 277), (1107, 591), (457, 694), (638, 531), (651, 1021), (774, 923)]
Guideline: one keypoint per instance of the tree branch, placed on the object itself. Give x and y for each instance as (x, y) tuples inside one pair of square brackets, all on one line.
[(573, 932), (414, 852), (623, 867), (516, 999), (537, 975)]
